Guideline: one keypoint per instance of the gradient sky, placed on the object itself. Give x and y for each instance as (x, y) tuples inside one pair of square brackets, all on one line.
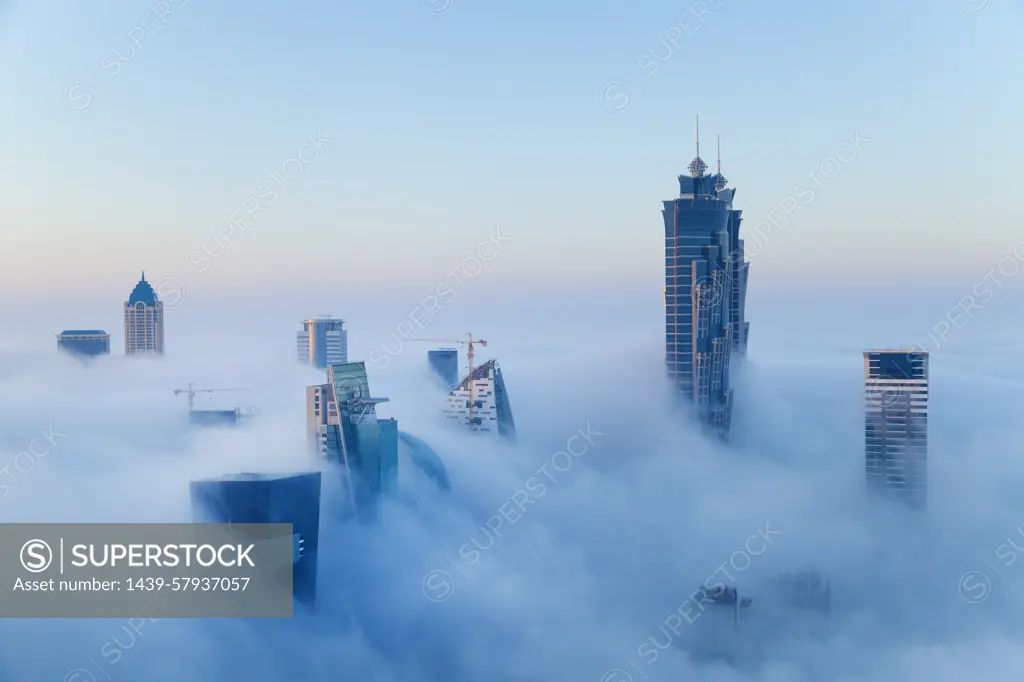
[(448, 124)]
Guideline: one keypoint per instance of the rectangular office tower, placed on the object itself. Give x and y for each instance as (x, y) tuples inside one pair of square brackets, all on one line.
[(84, 342), (445, 365), (705, 293), (269, 498), (896, 424), (322, 342)]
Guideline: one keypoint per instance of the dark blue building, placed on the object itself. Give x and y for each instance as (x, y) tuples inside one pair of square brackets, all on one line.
[(705, 293), (84, 342), (445, 363), (269, 498)]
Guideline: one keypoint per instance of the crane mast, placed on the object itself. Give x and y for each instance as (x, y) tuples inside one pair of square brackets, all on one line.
[(469, 342)]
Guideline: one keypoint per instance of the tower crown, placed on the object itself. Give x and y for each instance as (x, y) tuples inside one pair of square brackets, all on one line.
[(143, 293)]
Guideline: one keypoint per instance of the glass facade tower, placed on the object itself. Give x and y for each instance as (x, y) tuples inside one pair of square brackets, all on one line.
[(354, 436), (269, 498), (705, 293), (445, 364), (896, 424)]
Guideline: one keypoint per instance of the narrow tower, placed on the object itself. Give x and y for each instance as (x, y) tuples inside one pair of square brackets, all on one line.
[(705, 292), (896, 424), (143, 321)]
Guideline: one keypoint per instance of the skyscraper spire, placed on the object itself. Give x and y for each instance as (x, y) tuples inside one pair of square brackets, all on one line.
[(697, 166), (720, 181)]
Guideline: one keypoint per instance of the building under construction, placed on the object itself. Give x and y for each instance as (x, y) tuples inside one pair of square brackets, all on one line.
[(214, 417), (480, 401)]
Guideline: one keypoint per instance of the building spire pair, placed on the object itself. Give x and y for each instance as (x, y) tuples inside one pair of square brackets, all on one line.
[(697, 167)]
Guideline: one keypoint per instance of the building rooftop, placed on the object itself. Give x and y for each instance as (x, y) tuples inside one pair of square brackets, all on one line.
[(143, 293), (480, 372), (84, 332)]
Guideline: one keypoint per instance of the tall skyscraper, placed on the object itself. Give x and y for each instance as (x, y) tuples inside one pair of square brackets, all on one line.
[(322, 417), (705, 293), (445, 363), (143, 321), (896, 424), (269, 498), (323, 342), (342, 425), (480, 401), (84, 342)]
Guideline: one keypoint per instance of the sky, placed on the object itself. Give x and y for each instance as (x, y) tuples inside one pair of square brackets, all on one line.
[(134, 131)]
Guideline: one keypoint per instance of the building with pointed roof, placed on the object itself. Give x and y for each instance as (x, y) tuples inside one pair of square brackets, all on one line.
[(143, 321), (705, 292), (480, 401)]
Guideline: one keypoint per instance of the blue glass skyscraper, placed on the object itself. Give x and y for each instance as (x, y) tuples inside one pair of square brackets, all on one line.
[(366, 446), (445, 364), (705, 293), (269, 498)]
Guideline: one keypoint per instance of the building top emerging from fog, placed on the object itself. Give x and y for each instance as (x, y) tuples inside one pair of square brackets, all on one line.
[(322, 342), (445, 364), (84, 342), (269, 498), (705, 293), (805, 590), (480, 401), (896, 424), (342, 423), (143, 321)]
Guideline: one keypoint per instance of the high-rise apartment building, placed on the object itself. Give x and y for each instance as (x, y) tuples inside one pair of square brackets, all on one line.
[(480, 401), (896, 424), (84, 342), (705, 293), (323, 342), (445, 364), (143, 321), (269, 498)]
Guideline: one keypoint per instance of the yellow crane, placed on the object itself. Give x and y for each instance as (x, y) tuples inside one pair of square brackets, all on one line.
[(469, 342), (192, 392)]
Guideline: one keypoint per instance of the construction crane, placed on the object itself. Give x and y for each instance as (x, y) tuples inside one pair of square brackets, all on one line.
[(469, 342), (192, 392)]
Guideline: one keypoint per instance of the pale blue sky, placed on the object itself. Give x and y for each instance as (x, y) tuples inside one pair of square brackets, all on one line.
[(491, 114)]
